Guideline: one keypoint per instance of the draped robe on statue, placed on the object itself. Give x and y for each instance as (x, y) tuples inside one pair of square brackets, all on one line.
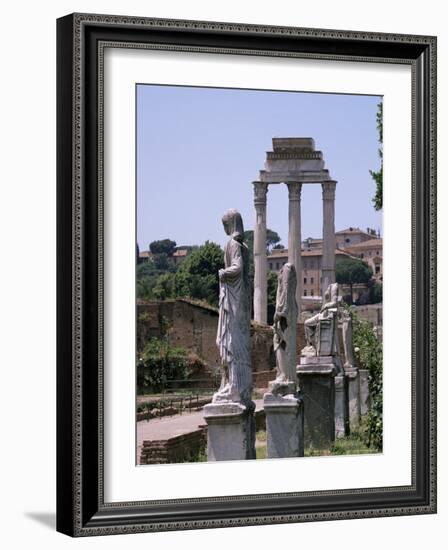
[(233, 337)]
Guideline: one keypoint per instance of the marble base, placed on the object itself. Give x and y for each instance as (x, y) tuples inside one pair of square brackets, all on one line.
[(364, 397), (230, 431), (316, 381), (284, 425), (341, 415), (354, 409)]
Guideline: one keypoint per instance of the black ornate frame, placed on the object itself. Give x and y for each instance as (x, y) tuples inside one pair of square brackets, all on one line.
[(81, 510)]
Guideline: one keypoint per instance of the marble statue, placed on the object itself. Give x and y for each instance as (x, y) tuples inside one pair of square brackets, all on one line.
[(233, 337), (285, 332), (283, 405), (347, 338), (321, 329)]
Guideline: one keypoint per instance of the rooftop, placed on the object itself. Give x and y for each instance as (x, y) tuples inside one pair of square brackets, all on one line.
[(356, 231), (279, 254), (376, 242)]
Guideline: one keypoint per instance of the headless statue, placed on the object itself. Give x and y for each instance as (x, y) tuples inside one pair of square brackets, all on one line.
[(233, 337), (285, 332)]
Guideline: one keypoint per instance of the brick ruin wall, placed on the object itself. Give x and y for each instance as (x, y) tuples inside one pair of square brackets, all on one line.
[(180, 448), (193, 326)]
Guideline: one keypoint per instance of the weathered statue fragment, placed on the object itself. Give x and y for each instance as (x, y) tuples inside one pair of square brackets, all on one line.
[(283, 406), (285, 332)]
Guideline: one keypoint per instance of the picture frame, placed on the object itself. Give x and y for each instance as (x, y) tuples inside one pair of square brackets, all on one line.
[(81, 507)]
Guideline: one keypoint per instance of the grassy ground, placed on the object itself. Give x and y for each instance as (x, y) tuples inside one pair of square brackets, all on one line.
[(351, 445)]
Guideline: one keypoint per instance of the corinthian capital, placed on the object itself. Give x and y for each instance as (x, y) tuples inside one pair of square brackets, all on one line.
[(260, 190), (328, 190), (294, 190)]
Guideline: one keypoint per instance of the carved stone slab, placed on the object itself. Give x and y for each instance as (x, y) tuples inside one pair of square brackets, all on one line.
[(317, 387), (284, 425)]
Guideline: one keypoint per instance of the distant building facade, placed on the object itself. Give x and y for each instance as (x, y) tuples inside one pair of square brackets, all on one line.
[(179, 254), (345, 238), (371, 252), (351, 243), (311, 267)]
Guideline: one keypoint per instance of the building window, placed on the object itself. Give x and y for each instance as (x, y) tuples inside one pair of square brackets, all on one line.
[(312, 280), (304, 292), (362, 255), (377, 269), (377, 252), (270, 266), (304, 280), (347, 240), (277, 266), (312, 292)]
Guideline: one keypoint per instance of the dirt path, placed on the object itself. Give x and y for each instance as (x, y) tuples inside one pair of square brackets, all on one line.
[(170, 426)]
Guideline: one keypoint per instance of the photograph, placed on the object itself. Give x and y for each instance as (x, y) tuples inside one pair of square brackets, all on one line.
[(258, 274), (246, 314)]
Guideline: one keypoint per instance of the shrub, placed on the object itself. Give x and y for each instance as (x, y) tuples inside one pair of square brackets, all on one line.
[(161, 363), (370, 357)]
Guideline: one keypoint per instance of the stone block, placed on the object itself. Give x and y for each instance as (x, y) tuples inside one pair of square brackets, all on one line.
[(230, 431), (341, 417), (317, 388), (284, 425), (354, 407), (364, 399)]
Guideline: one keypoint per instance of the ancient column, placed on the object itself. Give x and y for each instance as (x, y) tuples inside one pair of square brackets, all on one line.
[(260, 259), (329, 238), (295, 237)]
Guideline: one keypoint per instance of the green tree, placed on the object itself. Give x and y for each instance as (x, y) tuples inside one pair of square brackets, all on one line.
[(352, 271), (376, 293), (164, 287), (272, 295), (165, 246), (197, 276), (378, 176), (272, 240), (146, 276), (160, 261)]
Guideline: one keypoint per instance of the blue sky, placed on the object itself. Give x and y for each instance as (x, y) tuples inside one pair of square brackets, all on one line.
[(199, 149)]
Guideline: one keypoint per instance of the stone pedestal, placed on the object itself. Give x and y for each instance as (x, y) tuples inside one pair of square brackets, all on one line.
[(354, 408), (341, 416), (230, 431), (364, 399), (284, 425), (316, 381)]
